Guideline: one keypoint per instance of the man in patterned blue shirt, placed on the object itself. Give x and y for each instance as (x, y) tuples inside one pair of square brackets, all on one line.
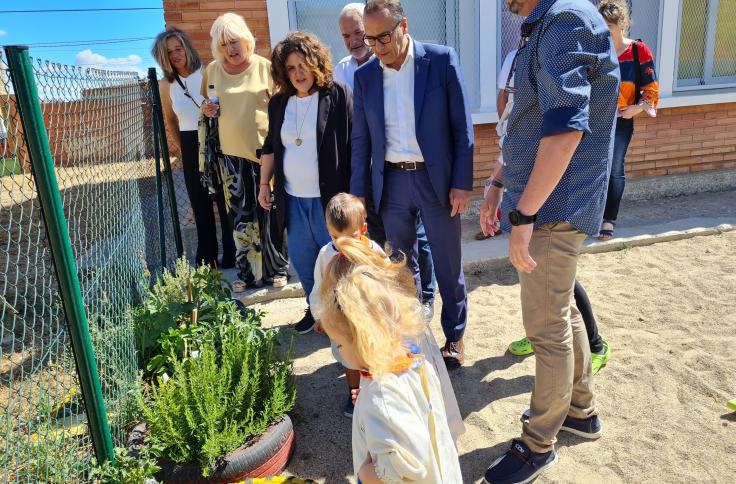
[(557, 157)]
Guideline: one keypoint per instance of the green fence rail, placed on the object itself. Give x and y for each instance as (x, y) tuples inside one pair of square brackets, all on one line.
[(99, 128)]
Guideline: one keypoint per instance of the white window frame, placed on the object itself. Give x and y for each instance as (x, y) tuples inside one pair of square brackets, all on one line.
[(279, 25), (488, 38), (709, 82)]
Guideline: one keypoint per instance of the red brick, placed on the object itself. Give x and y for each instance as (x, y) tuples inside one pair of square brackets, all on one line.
[(707, 151), (199, 15), (703, 167), (716, 114), (251, 4), (709, 158), (186, 26), (678, 170), (683, 123), (727, 121), (653, 156), (172, 16), (666, 163), (180, 5), (220, 5), (640, 166), (716, 142), (656, 172), (199, 35)]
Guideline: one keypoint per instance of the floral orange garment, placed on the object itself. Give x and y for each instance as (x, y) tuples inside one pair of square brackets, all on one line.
[(647, 79)]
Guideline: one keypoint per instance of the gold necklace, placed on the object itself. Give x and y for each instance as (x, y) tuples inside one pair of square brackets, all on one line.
[(296, 111)]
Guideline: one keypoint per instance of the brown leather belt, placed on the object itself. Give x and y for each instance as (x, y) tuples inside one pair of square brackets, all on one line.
[(405, 165)]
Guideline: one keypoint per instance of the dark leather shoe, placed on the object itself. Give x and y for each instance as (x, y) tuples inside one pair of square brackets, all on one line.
[(454, 354)]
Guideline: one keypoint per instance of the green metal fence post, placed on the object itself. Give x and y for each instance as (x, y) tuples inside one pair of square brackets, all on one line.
[(42, 167), (158, 119), (159, 189)]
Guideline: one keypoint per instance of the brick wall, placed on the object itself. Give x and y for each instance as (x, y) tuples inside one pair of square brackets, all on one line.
[(679, 140), (195, 17), (90, 129)]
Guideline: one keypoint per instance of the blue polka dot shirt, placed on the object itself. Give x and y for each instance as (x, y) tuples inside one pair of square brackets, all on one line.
[(566, 79)]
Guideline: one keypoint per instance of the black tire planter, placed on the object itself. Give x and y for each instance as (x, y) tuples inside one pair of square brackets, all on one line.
[(264, 456)]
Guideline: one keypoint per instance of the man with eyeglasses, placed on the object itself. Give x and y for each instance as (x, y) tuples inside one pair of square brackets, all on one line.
[(411, 110), (352, 30), (557, 156)]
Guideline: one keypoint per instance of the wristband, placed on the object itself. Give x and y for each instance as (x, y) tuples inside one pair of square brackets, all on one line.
[(491, 182)]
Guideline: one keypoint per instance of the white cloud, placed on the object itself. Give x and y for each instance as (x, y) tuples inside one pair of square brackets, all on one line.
[(87, 58), (3, 32)]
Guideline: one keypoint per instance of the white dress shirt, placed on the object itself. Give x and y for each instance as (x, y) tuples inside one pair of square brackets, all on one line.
[(398, 111), (345, 70)]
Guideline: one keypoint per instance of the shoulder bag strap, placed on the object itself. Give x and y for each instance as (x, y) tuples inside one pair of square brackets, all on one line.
[(186, 91), (637, 71)]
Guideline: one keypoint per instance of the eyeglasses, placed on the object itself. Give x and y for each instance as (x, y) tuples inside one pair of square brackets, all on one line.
[(384, 38)]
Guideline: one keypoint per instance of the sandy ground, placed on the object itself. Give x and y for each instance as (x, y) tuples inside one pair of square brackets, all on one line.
[(667, 311)]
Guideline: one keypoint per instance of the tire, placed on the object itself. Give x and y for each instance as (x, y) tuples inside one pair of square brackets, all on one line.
[(262, 457)]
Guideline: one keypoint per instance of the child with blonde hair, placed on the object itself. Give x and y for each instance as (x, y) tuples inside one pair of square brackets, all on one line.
[(370, 311), (346, 216)]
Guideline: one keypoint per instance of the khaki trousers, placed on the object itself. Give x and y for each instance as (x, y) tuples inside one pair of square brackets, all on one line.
[(563, 383)]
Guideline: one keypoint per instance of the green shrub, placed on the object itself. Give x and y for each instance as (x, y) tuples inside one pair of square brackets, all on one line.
[(231, 392), (127, 469), (177, 301)]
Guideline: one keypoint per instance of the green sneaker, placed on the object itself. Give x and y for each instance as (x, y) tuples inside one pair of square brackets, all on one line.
[(600, 360), (732, 404), (521, 347)]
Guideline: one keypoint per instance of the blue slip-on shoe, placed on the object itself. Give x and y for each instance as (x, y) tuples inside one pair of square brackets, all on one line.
[(587, 428), (519, 465)]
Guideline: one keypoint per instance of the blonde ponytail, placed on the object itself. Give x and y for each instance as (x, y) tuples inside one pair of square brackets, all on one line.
[(371, 301)]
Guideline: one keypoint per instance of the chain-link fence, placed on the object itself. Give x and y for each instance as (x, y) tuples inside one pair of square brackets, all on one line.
[(99, 126)]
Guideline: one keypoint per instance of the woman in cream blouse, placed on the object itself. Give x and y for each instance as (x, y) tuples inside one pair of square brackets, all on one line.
[(241, 80)]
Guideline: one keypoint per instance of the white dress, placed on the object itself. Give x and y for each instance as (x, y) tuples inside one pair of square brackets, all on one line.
[(405, 433)]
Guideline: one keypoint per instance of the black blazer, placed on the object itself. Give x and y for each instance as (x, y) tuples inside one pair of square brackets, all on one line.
[(334, 126)]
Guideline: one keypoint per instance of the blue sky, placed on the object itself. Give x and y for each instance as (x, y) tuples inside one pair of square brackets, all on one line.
[(55, 27)]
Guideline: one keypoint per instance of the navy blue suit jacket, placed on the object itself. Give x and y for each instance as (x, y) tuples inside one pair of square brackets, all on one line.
[(444, 128)]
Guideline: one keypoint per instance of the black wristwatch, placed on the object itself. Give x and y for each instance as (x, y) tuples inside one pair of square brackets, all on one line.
[(518, 218)]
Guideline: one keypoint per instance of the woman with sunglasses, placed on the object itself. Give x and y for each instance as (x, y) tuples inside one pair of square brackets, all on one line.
[(181, 101)]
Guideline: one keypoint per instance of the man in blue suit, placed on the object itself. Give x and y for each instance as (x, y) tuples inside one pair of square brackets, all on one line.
[(411, 110)]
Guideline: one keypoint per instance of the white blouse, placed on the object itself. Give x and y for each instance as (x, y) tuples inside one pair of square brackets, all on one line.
[(299, 137), (186, 111)]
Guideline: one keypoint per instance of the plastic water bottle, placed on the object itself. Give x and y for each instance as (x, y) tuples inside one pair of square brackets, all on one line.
[(213, 98)]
